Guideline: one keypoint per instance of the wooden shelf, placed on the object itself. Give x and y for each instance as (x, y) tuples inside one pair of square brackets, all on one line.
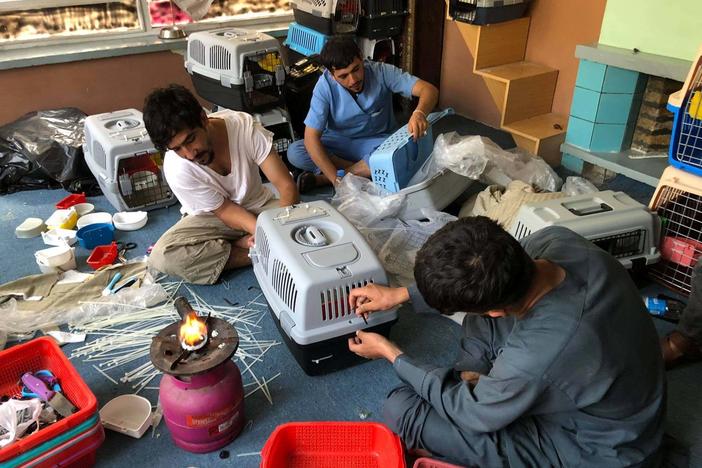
[(646, 170), (515, 71), (539, 127)]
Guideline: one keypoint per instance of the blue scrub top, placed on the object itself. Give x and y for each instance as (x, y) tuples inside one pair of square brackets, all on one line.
[(333, 110)]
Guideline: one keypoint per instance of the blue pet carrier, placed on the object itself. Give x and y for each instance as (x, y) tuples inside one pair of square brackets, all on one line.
[(394, 162), (686, 139), (305, 41)]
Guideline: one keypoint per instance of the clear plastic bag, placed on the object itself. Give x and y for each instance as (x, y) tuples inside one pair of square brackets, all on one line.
[(478, 157), (16, 416), (363, 203), (578, 186), (22, 321)]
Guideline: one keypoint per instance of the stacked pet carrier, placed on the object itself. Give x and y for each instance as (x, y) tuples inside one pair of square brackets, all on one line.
[(125, 163), (317, 20), (381, 21), (242, 70), (611, 220), (487, 11), (307, 259), (678, 197), (399, 157)]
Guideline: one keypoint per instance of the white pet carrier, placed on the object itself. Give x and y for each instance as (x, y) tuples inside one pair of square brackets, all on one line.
[(307, 258), (125, 163), (611, 220), (328, 16), (235, 68)]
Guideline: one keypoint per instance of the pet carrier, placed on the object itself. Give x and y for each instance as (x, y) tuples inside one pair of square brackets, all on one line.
[(277, 121), (678, 202), (381, 18), (378, 50), (397, 159), (611, 220), (122, 158), (685, 151), (487, 11), (235, 68), (329, 17), (307, 258), (305, 41)]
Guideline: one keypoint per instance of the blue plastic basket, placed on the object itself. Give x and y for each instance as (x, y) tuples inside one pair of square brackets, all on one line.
[(394, 162), (305, 41), (685, 150)]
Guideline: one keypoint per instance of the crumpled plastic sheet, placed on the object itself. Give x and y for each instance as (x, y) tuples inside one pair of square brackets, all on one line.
[(374, 213), (479, 158), (16, 416), (578, 186), (19, 321)]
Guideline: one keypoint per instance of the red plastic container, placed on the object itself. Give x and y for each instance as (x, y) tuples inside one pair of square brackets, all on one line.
[(102, 255), (71, 200), (429, 463), (79, 451), (332, 445), (44, 353), (681, 250)]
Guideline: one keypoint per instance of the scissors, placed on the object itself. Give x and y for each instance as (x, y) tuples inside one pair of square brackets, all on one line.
[(48, 378), (123, 248)]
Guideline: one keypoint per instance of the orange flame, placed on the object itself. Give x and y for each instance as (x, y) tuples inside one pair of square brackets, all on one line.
[(193, 331)]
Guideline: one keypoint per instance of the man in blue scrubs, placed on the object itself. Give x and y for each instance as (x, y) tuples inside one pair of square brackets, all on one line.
[(559, 362), (351, 113)]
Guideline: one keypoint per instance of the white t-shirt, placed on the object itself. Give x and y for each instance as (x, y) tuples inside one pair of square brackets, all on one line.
[(201, 190)]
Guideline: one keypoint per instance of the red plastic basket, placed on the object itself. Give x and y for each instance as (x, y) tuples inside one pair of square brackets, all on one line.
[(71, 200), (429, 463), (332, 445), (44, 353), (79, 451), (102, 255)]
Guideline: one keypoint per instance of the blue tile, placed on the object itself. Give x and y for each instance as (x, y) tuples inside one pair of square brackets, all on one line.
[(604, 107), (609, 79), (597, 137)]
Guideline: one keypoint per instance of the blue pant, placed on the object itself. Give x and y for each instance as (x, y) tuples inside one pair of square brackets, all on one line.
[(350, 149)]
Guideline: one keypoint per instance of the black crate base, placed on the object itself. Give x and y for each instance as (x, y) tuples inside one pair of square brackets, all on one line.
[(328, 355)]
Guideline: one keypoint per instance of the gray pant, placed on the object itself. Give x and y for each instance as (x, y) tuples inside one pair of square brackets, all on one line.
[(691, 320), (197, 247)]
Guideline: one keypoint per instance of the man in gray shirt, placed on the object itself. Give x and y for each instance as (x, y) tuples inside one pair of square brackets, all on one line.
[(560, 363)]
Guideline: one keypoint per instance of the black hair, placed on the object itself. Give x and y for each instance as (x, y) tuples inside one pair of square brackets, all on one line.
[(339, 52), (472, 265), (168, 111)]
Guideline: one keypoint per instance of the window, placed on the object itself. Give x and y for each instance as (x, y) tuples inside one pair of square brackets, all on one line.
[(30, 22)]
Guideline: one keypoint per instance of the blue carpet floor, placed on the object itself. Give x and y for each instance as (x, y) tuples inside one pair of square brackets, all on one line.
[(349, 395)]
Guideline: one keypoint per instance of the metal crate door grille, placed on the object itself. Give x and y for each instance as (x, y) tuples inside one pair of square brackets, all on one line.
[(263, 248), (141, 182), (681, 213), (689, 150), (283, 284), (197, 51), (220, 58), (622, 245), (521, 231), (334, 302)]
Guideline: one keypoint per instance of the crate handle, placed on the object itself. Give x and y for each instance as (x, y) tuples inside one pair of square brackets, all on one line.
[(601, 208), (435, 117)]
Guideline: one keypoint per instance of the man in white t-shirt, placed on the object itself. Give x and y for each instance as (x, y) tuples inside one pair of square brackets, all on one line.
[(212, 166)]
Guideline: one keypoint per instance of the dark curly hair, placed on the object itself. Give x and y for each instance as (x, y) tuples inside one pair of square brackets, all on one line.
[(472, 265), (339, 52), (168, 111)]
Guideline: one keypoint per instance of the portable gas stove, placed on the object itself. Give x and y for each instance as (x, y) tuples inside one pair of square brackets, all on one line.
[(201, 392)]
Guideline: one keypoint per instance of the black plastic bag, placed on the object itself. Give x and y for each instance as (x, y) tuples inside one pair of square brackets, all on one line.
[(44, 150)]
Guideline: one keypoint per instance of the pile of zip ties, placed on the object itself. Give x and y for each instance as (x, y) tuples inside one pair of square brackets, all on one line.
[(124, 339)]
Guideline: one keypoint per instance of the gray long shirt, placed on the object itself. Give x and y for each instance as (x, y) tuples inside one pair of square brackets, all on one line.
[(581, 373)]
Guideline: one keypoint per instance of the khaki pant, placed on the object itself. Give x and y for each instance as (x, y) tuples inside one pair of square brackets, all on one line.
[(197, 247)]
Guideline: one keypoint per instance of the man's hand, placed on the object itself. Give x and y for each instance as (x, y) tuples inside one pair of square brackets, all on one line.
[(373, 346), (417, 125), (374, 297), (471, 377), (245, 242)]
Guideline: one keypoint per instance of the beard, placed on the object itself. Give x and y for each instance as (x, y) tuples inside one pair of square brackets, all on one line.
[(204, 157)]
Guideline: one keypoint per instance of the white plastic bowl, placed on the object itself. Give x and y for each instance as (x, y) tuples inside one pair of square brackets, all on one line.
[(59, 237), (94, 218), (84, 208), (130, 221), (128, 414)]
